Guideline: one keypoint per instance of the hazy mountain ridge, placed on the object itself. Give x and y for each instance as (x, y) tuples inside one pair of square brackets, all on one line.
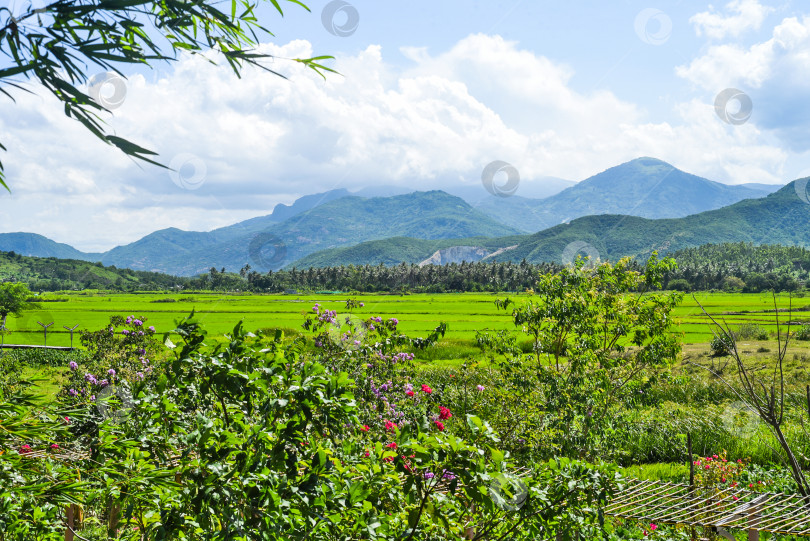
[(336, 227), (780, 218), (645, 187)]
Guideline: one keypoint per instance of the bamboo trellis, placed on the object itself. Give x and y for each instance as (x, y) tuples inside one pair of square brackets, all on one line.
[(728, 508)]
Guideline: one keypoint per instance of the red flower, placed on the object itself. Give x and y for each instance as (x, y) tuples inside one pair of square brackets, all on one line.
[(444, 413), (392, 445), (410, 393), (390, 426), (25, 449), (439, 425), (388, 459), (364, 428), (426, 389), (367, 453)]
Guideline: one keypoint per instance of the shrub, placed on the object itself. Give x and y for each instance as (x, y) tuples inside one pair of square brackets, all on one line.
[(751, 331), (679, 284), (720, 346), (803, 333), (10, 371)]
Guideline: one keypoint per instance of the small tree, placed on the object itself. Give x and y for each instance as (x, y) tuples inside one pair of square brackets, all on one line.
[(766, 395), (14, 300), (595, 333)]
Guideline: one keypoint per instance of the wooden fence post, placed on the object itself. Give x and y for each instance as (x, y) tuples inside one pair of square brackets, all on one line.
[(753, 520), (70, 525)]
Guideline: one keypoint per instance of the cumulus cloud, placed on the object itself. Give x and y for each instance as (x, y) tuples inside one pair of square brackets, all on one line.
[(263, 140), (772, 72), (740, 16)]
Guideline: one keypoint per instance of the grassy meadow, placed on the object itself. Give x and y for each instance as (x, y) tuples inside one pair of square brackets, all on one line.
[(465, 313)]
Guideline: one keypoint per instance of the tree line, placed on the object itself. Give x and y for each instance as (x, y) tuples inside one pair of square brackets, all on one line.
[(729, 267)]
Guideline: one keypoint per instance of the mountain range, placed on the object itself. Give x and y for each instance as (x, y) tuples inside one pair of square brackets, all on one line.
[(629, 209)]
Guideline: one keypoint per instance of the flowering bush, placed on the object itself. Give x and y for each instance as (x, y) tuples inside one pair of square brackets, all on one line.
[(124, 352), (715, 473)]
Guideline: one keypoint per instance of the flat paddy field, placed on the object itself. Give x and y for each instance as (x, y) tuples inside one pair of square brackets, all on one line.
[(464, 313)]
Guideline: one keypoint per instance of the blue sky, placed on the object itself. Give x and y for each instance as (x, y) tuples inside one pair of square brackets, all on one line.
[(430, 93)]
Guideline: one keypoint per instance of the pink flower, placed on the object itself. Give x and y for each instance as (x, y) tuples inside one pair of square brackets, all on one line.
[(390, 426), (426, 389), (364, 428), (410, 393), (54, 446), (392, 445), (439, 425), (25, 449), (444, 413)]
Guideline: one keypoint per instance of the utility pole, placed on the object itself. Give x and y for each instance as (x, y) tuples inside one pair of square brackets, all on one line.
[(70, 330), (45, 330)]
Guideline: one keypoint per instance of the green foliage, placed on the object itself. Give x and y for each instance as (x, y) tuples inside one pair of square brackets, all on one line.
[(720, 346), (679, 284), (596, 333), (254, 439), (751, 331), (54, 45), (803, 333), (14, 299), (122, 353), (52, 274)]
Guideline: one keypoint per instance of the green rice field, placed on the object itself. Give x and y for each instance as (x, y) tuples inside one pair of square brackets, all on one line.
[(465, 313)]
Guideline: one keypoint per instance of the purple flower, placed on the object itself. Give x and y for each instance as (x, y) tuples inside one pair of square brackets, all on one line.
[(72, 392), (129, 320), (479, 387), (139, 376), (394, 320), (429, 475), (125, 331), (104, 383), (137, 322), (152, 328), (73, 366), (362, 305), (111, 372)]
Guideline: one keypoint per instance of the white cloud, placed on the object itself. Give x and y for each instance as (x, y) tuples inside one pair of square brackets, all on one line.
[(265, 140), (743, 15), (772, 72)]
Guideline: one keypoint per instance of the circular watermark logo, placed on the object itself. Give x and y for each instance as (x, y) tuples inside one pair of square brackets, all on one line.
[(733, 106), (38, 324), (578, 247), (348, 331), (114, 402), (508, 492), (32, 321), (267, 251), (188, 171), (108, 89), (506, 189), (801, 189), (340, 18), (653, 26), (740, 419)]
